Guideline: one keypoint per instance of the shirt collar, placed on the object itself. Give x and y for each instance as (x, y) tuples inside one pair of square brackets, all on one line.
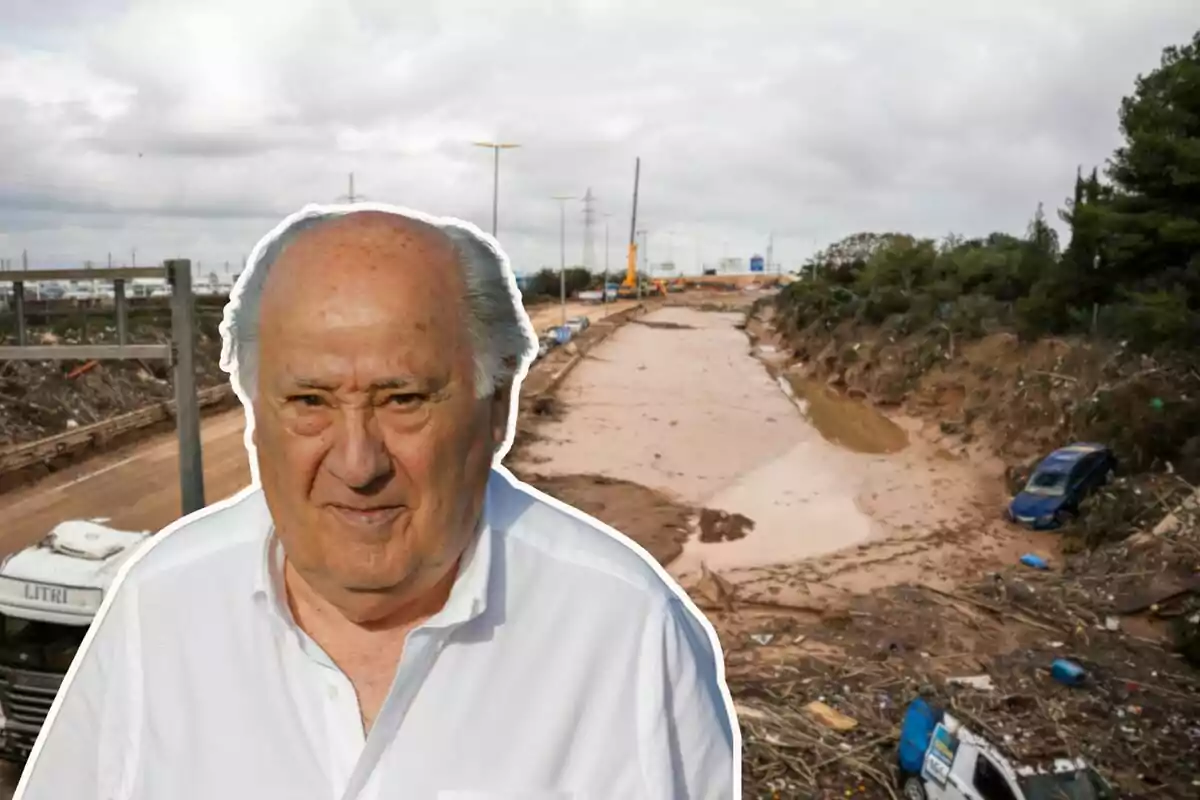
[(468, 596)]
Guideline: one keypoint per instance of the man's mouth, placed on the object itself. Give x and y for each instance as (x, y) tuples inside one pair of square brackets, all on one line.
[(367, 517)]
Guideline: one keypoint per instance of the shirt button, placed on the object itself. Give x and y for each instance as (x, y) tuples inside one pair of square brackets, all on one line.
[(333, 692)]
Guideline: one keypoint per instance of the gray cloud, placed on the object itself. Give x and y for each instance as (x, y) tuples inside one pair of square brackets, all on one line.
[(189, 129)]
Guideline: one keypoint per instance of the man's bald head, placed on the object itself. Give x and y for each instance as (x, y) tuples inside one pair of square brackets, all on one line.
[(363, 252), (366, 246)]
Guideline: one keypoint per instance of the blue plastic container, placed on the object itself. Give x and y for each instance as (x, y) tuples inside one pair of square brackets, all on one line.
[(1035, 561), (915, 734), (1067, 672)]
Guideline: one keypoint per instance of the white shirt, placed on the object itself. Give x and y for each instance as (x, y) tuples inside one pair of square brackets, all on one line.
[(563, 666)]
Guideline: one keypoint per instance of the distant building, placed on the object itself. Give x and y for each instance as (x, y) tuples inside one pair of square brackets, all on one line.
[(148, 287), (731, 266)]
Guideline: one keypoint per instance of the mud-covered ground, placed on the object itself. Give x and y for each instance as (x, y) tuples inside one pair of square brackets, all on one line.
[(866, 563)]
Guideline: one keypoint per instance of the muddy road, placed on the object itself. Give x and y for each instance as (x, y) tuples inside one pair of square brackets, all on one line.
[(678, 402)]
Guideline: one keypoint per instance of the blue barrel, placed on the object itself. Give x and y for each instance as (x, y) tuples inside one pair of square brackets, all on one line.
[(915, 734), (1067, 672)]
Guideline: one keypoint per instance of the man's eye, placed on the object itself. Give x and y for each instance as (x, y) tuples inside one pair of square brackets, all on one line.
[(311, 400), (405, 400)]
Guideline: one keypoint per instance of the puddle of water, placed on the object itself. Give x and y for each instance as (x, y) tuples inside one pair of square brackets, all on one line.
[(804, 503), (683, 408), (847, 422)]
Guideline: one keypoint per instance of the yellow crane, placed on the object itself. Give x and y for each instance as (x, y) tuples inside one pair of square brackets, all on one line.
[(629, 286)]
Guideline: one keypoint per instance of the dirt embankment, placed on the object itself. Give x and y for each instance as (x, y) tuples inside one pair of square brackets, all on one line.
[(1017, 399)]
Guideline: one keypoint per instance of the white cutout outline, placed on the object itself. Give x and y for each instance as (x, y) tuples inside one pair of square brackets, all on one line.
[(228, 364)]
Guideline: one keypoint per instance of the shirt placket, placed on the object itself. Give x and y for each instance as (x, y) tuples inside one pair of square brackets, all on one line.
[(420, 653), (343, 722)]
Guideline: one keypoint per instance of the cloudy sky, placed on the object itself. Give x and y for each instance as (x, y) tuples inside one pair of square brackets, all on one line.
[(180, 128)]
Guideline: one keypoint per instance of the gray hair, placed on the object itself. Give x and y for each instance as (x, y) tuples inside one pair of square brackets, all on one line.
[(502, 340)]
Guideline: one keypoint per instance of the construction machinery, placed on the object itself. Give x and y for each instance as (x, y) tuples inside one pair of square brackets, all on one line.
[(632, 286), (629, 286)]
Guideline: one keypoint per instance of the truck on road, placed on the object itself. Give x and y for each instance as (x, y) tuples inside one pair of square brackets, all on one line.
[(49, 595)]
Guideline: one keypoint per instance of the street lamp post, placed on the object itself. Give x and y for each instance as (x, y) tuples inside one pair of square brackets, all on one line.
[(562, 252), (604, 286), (496, 148)]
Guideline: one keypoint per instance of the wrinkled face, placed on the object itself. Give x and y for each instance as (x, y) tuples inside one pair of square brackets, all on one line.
[(373, 449)]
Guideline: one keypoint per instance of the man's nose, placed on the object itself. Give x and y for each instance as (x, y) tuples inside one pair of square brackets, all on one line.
[(359, 457)]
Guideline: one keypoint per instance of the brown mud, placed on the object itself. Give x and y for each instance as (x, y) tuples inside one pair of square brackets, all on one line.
[(891, 575)]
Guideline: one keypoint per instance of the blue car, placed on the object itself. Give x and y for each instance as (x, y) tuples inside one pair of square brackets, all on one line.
[(1060, 483)]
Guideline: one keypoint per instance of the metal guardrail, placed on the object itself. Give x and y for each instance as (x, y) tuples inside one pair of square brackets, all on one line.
[(28, 454), (180, 353), (84, 352)]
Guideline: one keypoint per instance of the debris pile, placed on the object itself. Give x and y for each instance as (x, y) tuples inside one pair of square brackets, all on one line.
[(44, 398), (723, 526), (821, 695)]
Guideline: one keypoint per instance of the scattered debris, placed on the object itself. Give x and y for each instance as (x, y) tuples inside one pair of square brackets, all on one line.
[(82, 368), (41, 399), (1035, 561), (722, 526), (714, 589), (663, 324), (546, 406), (830, 717), (1068, 672)]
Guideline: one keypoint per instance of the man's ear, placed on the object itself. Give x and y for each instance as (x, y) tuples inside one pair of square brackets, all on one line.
[(500, 406)]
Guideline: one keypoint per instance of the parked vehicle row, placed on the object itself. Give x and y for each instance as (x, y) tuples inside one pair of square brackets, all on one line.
[(561, 334)]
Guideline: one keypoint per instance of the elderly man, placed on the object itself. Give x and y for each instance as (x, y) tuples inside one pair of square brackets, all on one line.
[(387, 615)]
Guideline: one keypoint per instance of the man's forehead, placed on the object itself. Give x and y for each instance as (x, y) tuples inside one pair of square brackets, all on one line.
[(370, 236), (364, 250)]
